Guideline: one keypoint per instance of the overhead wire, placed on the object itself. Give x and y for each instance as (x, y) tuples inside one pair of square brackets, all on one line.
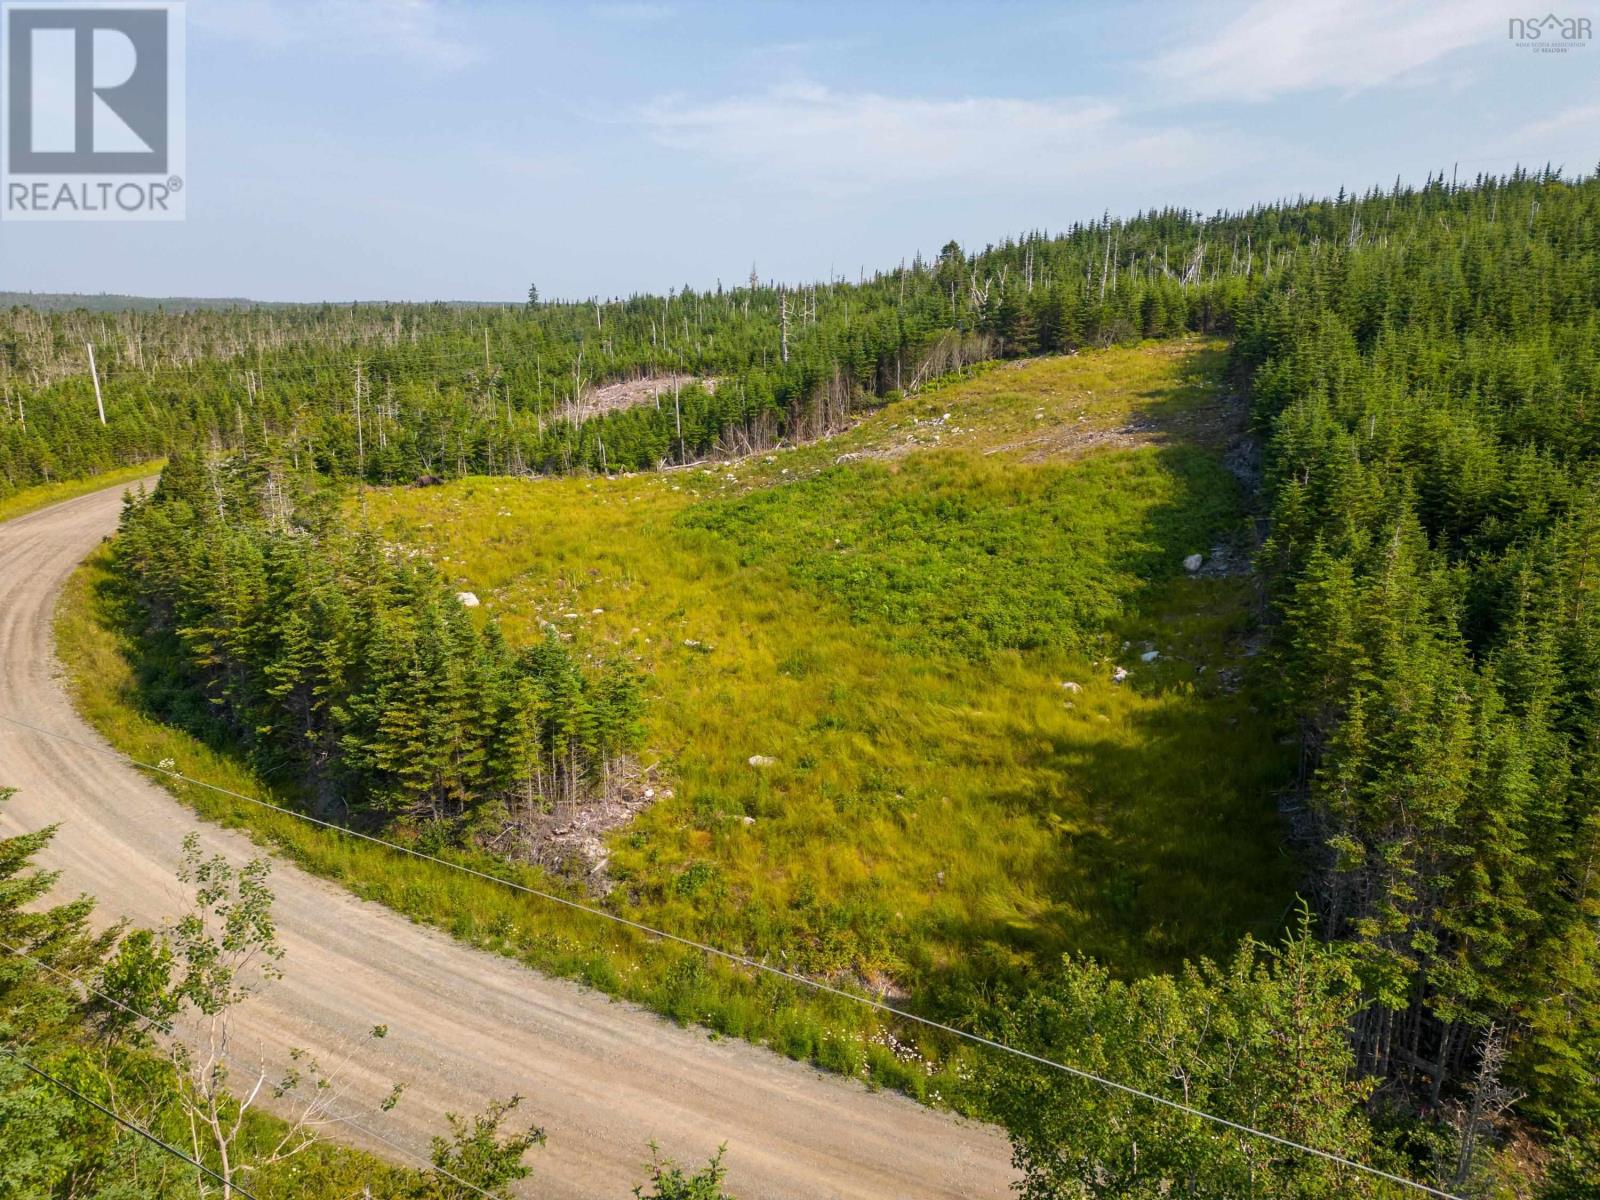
[(140, 1130), (161, 1027), (756, 965)]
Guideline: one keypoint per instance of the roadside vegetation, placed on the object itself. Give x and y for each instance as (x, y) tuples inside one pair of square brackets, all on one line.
[(42, 495), (133, 1028), (60, 987)]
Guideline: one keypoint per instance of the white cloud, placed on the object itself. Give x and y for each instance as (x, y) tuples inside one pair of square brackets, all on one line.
[(634, 13), (1581, 119), (1567, 138), (1274, 48), (421, 31), (841, 143)]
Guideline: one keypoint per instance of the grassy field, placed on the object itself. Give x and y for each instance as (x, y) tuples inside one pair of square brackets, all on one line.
[(894, 631), (45, 494), (892, 618)]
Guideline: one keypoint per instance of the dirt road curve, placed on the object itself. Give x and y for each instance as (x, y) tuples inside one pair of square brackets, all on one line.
[(602, 1078)]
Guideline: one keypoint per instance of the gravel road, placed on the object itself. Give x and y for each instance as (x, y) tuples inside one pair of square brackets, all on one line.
[(602, 1078)]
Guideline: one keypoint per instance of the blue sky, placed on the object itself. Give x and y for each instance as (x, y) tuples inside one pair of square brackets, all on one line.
[(422, 149)]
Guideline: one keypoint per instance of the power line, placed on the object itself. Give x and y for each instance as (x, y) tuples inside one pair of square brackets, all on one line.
[(159, 1027), (409, 1153), (752, 964), (124, 1122), (398, 371), (550, 356)]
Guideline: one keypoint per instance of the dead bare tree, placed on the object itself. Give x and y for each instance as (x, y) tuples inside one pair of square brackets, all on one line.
[(1489, 1100), (783, 324)]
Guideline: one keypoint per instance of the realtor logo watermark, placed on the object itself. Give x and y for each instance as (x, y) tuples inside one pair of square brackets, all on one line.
[(1549, 34), (92, 111)]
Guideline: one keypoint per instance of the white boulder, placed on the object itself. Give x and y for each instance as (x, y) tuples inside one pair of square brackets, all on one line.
[(467, 599)]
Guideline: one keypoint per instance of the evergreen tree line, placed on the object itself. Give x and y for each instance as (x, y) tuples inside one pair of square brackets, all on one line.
[(342, 663), (1426, 390), (390, 392), (1429, 400)]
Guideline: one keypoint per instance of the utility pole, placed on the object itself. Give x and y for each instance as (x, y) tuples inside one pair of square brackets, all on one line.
[(99, 403), (361, 448)]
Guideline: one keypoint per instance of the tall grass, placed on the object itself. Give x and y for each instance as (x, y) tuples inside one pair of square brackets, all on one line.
[(889, 617), (664, 978)]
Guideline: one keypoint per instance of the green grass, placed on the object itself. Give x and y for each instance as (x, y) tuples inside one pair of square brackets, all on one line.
[(890, 616), (894, 631), (42, 495), (614, 960)]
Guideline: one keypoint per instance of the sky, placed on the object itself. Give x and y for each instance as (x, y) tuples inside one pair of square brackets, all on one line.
[(446, 149)]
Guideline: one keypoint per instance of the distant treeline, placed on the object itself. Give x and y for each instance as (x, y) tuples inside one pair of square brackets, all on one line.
[(388, 392), (114, 302)]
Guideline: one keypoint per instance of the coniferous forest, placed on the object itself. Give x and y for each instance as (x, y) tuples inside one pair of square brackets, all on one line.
[(336, 658), (1422, 369)]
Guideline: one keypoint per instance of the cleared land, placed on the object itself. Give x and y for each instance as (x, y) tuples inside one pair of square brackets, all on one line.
[(631, 393), (891, 618)]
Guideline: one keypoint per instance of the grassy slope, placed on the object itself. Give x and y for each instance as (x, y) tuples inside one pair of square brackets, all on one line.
[(893, 629), (42, 495)]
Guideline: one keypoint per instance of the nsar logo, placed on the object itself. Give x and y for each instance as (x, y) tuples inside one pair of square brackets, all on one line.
[(1550, 34), (93, 121)]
